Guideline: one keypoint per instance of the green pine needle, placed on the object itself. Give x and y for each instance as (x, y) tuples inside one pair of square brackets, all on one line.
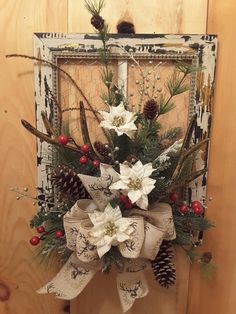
[(94, 7), (176, 84), (207, 269)]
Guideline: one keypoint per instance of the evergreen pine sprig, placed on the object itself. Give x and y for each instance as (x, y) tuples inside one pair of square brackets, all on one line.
[(176, 84), (94, 7), (188, 224)]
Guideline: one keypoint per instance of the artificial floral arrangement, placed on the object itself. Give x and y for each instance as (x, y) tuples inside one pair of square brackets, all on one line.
[(122, 202)]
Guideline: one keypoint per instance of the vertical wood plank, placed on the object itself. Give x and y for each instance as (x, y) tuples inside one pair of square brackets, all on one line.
[(169, 16), (218, 295), (160, 16), (20, 273)]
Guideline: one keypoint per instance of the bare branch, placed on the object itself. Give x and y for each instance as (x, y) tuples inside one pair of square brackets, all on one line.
[(47, 124), (46, 138)]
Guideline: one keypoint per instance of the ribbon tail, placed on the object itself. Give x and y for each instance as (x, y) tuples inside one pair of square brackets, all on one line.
[(131, 286), (70, 281)]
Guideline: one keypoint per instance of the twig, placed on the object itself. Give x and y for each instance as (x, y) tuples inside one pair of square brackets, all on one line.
[(84, 131), (69, 76), (47, 124), (59, 111), (174, 186), (46, 138), (188, 135), (185, 155), (76, 108)]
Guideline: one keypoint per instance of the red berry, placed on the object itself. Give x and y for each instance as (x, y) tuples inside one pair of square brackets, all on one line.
[(58, 234), (128, 204), (85, 148), (63, 139), (198, 210), (174, 197), (196, 204), (123, 198), (83, 159), (96, 163), (183, 209), (40, 229), (34, 240)]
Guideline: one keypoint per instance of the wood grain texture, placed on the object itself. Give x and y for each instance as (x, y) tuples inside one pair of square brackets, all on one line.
[(164, 17), (20, 273), (218, 295), (100, 296)]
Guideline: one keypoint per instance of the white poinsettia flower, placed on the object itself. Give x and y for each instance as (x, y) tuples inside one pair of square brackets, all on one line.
[(136, 182), (119, 120), (109, 229)]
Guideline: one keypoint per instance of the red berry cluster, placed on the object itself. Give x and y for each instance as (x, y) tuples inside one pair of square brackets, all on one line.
[(124, 199), (85, 149), (196, 207), (84, 159), (41, 230)]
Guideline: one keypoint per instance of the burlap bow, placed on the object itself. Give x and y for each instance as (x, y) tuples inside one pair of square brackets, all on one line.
[(150, 229)]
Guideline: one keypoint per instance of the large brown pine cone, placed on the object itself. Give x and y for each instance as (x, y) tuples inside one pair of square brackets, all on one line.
[(163, 266)]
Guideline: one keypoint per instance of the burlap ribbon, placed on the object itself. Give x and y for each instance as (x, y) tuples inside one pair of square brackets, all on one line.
[(150, 229)]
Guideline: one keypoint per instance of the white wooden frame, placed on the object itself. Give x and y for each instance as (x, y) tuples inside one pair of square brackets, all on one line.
[(199, 49)]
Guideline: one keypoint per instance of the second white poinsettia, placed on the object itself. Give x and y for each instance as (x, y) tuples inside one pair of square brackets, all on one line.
[(109, 229), (119, 120), (136, 182)]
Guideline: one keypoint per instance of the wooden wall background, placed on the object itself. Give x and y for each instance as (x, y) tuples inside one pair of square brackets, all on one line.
[(20, 274)]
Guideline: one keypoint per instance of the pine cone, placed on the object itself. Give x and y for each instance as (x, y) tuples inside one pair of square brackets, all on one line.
[(206, 257), (150, 109), (68, 183), (163, 267), (103, 151), (125, 27), (97, 21)]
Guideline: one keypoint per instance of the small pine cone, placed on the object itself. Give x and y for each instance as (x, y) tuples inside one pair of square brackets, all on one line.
[(97, 21), (68, 183), (150, 109), (102, 150), (125, 27), (163, 267), (206, 257)]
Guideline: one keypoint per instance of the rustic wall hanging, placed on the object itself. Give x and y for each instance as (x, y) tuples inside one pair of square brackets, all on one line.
[(123, 125)]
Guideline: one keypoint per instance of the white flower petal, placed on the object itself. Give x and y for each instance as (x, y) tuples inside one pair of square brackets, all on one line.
[(124, 169), (134, 195), (143, 202), (104, 114), (119, 185), (119, 109), (148, 185), (103, 249), (148, 170), (114, 213)]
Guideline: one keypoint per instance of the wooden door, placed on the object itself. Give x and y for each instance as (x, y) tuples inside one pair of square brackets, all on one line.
[(218, 295)]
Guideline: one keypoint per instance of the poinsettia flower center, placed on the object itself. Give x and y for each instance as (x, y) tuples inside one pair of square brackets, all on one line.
[(135, 183), (110, 229), (118, 121)]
